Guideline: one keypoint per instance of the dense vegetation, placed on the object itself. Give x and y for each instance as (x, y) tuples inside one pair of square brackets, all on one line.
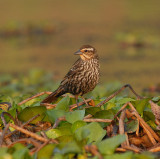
[(63, 131)]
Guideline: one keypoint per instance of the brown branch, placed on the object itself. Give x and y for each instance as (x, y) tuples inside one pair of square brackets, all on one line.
[(98, 120), (88, 116), (23, 125), (3, 134), (26, 140), (122, 108), (41, 146), (48, 105), (10, 116), (121, 126), (120, 149), (155, 148), (34, 96), (144, 123), (28, 133), (93, 150), (117, 92), (85, 119), (134, 149), (79, 104)]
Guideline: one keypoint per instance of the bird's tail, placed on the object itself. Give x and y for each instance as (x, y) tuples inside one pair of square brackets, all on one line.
[(53, 96)]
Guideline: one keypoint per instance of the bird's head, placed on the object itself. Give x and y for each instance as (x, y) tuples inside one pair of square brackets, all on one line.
[(87, 52)]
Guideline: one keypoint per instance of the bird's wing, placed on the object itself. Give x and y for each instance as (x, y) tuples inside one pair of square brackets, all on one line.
[(76, 67)]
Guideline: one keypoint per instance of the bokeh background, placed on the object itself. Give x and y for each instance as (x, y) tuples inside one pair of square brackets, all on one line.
[(44, 34)]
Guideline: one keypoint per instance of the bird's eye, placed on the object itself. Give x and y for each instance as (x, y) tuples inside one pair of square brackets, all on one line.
[(85, 50)]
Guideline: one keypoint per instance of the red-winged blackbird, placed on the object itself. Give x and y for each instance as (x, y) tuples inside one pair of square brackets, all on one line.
[(81, 78)]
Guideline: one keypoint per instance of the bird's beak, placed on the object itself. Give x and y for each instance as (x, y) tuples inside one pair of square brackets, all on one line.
[(78, 52)]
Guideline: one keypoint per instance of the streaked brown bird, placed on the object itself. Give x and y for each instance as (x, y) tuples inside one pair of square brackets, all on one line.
[(81, 78)]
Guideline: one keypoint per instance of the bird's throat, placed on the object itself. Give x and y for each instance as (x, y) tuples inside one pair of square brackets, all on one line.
[(85, 57)]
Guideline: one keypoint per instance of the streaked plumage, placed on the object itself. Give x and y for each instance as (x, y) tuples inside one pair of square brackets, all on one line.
[(82, 77)]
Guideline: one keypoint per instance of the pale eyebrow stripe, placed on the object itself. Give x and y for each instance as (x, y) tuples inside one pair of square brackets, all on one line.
[(89, 49)]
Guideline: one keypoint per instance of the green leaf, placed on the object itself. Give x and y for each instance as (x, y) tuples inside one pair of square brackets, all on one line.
[(3, 152), (104, 114), (58, 156), (63, 104), (88, 131), (65, 138), (74, 116), (76, 125), (148, 115), (110, 105), (71, 147), (145, 155), (46, 152), (156, 99), (108, 146), (126, 155), (125, 100), (132, 126), (140, 105), (65, 129), (21, 152), (54, 114), (30, 112), (92, 110), (53, 133)]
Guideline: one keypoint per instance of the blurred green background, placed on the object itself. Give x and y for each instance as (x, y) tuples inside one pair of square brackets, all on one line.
[(45, 33)]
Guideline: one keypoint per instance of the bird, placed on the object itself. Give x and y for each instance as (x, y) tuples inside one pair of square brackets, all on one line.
[(82, 77)]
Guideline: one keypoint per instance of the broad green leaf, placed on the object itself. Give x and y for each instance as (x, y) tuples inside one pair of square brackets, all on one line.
[(104, 114), (21, 152), (145, 155), (126, 155), (71, 147), (148, 115), (53, 133), (30, 112), (140, 105), (89, 131), (125, 100), (108, 146), (74, 116), (58, 156), (156, 99), (132, 126), (3, 151), (65, 129), (54, 114), (63, 104), (92, 110), (110, 105), (65, 138), (46, 152), (76, 125)]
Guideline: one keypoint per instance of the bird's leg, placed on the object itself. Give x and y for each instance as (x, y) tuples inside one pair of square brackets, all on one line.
[(76, 97), (84, 100)]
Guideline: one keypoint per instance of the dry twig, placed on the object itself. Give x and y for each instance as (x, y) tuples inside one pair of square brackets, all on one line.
[(35, 136), (23, 125), (94, 151), (79, 104), (117, 92), (34, 96)]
